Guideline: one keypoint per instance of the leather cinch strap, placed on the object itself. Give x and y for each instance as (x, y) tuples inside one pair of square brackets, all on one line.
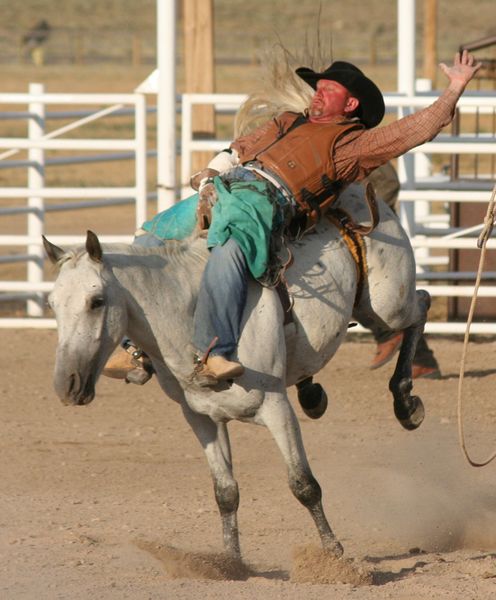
[(353, 238)]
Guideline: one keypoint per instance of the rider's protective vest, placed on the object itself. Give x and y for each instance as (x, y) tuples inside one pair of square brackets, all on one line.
[(299, 154)]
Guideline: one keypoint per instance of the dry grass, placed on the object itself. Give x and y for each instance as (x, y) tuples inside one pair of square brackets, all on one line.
[(91, 30)]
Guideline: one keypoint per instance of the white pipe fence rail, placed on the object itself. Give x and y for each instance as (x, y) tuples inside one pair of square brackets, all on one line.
[(37, 142), (428, 231)]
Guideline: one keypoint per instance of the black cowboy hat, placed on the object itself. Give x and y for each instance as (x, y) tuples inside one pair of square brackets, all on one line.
[(371, 108)]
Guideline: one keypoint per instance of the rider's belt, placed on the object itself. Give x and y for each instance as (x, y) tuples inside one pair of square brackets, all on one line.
[(265, 175)]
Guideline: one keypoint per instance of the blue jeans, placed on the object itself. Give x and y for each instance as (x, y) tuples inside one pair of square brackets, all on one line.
[(222, 296), (221, 300)]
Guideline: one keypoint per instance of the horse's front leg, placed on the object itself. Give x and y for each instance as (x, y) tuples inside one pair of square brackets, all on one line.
[(214, 439), (312, 398), (409, 410), (278, 416)]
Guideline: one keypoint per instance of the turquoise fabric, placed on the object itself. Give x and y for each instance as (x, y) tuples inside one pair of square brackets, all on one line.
[(245, 213), (175, 223)]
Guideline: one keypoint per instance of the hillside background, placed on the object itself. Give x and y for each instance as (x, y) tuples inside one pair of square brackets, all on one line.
[(119, 36)]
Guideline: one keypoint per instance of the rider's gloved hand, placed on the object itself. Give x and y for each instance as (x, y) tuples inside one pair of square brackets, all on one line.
[(207, 191)]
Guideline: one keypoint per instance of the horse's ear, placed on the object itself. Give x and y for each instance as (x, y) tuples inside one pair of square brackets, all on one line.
[(54, 253), (93, 247)]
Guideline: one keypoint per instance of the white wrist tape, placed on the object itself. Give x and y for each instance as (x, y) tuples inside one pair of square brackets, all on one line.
[(224, 161)]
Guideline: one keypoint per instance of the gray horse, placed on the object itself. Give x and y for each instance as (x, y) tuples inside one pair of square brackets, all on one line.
[(102, 294)]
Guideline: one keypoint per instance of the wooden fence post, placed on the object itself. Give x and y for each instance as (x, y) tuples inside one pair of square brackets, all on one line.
[(199, 69), (430, 41)]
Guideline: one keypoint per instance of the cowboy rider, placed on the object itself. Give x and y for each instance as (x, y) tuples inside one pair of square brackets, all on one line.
[(309, 157), (295, 159)]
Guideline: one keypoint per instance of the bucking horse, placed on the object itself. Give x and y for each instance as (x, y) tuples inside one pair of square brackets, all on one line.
[(105, 292)]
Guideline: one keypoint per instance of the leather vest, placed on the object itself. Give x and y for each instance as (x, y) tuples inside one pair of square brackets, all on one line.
[(299, 154)]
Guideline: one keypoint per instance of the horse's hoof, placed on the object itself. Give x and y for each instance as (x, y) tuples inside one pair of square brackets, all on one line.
[(336, 549), (410, 415), (313, 400)]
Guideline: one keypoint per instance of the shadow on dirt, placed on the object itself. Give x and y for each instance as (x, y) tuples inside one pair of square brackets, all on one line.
[(383, 577), (476, 374)]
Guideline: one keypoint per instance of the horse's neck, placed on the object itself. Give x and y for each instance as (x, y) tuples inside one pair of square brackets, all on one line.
[(161, 289)]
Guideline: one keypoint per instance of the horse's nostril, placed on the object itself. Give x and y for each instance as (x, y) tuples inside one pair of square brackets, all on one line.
[(72, 383)]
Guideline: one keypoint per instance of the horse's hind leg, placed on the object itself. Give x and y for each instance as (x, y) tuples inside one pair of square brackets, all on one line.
[(214, 439), (409, 410), (279, 418)]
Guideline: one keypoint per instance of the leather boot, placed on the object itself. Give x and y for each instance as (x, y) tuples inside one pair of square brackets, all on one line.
[(223, 369), (218, 368), (427, 372), (385, 351), (130, 364)]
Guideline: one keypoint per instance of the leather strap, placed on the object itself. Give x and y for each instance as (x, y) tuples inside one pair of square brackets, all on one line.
[(354, 241), (286, 303)]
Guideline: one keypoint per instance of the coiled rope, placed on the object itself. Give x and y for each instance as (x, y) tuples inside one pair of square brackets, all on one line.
[(481, 243)]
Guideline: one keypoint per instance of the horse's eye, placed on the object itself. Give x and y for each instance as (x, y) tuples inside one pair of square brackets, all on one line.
[(97, 302)]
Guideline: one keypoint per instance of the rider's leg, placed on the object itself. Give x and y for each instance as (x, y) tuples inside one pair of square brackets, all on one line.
[(388, 343), (129, 362), (387, 186), (424, 361), (221, 301)]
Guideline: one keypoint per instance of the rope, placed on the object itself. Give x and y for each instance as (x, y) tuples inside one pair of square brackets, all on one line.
[(481, 243)]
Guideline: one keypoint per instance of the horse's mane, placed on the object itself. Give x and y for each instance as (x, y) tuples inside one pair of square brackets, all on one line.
[(189, 252), (281, 89)]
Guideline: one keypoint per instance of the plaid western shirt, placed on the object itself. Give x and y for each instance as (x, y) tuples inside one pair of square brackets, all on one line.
[(358, 153)]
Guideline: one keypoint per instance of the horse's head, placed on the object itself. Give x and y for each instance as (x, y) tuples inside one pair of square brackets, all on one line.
[(91, 318)]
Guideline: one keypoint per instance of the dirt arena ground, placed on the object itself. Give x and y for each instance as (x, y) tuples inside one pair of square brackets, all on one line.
[(114, 500)]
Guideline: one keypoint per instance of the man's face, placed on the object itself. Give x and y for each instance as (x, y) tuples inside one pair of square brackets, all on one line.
[(331, 99)]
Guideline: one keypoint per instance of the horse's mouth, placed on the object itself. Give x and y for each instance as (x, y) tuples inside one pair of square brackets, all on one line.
[(78, 390)]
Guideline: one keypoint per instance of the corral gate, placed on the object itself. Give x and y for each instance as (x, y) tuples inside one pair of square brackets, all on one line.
[(33, 195)]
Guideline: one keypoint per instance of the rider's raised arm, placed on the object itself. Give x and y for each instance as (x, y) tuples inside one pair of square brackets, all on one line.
[(463, 70), (376, 146)]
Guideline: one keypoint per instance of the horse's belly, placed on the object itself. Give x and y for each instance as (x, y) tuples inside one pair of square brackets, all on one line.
[(323, 300)]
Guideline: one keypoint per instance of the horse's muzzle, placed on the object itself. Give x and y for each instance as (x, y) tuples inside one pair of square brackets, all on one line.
[(74, 390)]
